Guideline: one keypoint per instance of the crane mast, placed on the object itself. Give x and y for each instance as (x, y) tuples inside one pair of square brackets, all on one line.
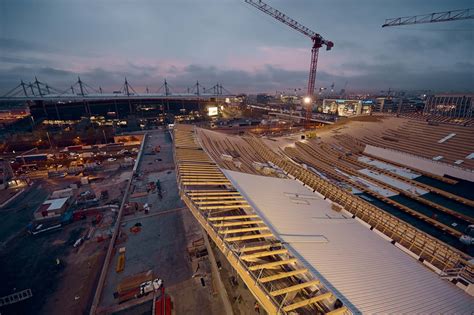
[(318, 40)]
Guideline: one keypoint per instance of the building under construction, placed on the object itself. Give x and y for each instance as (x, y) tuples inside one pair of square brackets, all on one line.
[(332, 225), (454, 106)]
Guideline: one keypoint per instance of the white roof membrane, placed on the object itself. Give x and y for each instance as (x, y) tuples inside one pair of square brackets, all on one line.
[(367, 272), (394, 182), (389, 167)]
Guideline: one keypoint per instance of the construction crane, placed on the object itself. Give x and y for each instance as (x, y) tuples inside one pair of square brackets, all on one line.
[(318, 42), (455, 15)]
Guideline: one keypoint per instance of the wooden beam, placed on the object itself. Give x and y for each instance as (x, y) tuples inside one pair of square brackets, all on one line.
[(203, 174), (238, 265), (273, 264), (338, 311), (312, 300), (264, 254), (240, 223), (197, 160), (258, 247), (247, 237), (203, 177), (211, 192), (195, 183), (207, 172), (218, 198), (233, 217), (222, 192), (295, 287), (197, 166), (243, 230), (220, 202), (283, 275), (245, 206)]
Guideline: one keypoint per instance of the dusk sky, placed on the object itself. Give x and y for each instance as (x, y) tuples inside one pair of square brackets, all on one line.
[(231, 42)]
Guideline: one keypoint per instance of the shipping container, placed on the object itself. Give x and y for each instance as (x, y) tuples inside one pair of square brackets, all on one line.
[(128, 295), (74, 148), (31, 158), (134, 281)]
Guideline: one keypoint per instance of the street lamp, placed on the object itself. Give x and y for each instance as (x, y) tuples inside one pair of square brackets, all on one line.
[(307, 100)]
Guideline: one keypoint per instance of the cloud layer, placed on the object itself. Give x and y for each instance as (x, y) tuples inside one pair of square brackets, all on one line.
[(230, 42)]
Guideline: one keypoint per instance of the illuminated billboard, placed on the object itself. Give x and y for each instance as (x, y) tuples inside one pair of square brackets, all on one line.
[(212, 111)]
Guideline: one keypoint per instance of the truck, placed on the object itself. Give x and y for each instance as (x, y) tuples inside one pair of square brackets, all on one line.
[(150, 286)]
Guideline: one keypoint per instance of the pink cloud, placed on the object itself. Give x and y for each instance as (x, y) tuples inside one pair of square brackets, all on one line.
[(282, 57)]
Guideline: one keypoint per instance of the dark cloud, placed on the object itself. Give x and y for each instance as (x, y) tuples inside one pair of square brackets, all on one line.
[(432, 40), (370, 77), (130, 38), (6, 59), (18, 45), (373, 77)]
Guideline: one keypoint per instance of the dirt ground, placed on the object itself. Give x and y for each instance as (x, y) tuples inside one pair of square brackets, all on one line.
[(162, 244), (30, 262)]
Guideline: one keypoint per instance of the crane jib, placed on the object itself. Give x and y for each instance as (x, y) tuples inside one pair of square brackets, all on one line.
[(318, 41)]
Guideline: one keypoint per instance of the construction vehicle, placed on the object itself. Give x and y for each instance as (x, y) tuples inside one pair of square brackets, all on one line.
[(120, 260), (150, 286)]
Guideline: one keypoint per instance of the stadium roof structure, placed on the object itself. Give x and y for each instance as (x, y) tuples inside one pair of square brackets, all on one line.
[(361, 266)]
